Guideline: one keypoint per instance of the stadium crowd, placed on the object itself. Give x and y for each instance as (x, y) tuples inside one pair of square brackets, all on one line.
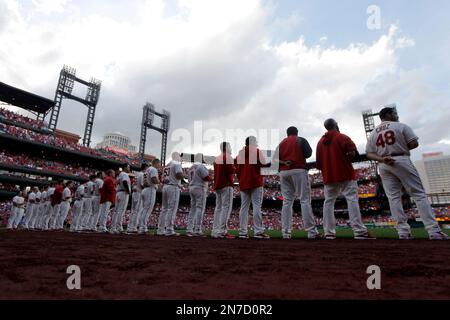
[(20, 119), (26, 161), (30, 135)]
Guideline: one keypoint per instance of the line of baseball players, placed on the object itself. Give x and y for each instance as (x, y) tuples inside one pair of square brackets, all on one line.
[(389, 144)]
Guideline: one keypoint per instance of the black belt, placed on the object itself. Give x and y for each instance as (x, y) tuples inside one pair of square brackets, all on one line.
[(398, 154)]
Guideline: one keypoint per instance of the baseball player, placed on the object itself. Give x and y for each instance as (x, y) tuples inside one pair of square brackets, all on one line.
[(97, 186), (56, 204), (198, 189), (17, 211), (148, 197), (249, 162), (390, 144), (65, 205), (334, 155), (30, 208), (136, 200), (291, 154), (87, 203), (48, 208), (43, 209), (223, 186), (107, 199), (122, 197), (172, 176), (77, 209), (37, 209)]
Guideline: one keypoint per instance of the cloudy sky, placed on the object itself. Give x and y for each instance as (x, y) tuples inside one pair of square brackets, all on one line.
[(236, 65)]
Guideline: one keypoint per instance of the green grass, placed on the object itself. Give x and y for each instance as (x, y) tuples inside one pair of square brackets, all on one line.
[(346, 233)]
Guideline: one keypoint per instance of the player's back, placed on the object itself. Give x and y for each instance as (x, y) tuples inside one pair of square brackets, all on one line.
[(170, 172), (197, 173), (390, 138)]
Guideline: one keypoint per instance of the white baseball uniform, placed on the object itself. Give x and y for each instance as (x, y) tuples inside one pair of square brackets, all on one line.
[(170, 198), (64, 209), (77, 209), (48, 209), (391, 139), (198, 190), (148, 199), (87, 205), (122, 198), (97, 185), (17, 212), (29, 210), (134, 220), (42, 210), (36, 212)]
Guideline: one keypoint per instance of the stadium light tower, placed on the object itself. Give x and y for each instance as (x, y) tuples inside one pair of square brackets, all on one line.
[(148, 117), (369, 121), (67, 79)]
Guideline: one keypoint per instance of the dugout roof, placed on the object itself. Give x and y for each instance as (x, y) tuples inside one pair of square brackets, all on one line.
[(23, 99)]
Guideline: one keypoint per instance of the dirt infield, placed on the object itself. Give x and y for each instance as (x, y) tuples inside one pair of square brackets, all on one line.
[(33, 266)]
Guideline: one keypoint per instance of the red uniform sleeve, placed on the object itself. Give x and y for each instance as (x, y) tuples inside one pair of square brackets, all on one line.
[(319, 155)]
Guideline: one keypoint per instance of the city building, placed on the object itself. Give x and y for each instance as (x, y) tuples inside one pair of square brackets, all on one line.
[(434, 170), (117, 142)]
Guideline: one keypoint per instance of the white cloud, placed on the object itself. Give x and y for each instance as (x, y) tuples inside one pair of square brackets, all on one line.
[(212, 61), (50, 6)]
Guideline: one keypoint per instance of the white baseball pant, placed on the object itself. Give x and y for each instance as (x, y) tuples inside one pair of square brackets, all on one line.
[(121, 206), (12, 218), (135, 212), (19, 215), (95, 216), (198, 203), (169, 208), (224, 206), (47, 216), (63, 212), (87, 213), (29, 215), (34, 222), (148, 199), (104, 214), (350, 191), (255, 197), (55, 214), (295, 184), (403, 172), (77, 215)]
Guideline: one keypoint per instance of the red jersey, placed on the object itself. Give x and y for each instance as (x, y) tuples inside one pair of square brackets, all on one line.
[(296, 150), (249, 162), (56, 197), (223, 171), (332, 158), (108, 191)]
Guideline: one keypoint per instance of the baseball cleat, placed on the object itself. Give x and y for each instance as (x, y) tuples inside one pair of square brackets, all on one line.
[(286, 236), (243, 236), (365, 236), (217, 236), (261, 236), (330, 237), (190, 234), (406, 236), (315, 237), (438, 236), (172, 234)]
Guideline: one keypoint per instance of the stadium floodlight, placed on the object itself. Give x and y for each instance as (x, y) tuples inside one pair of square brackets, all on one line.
[(67, 79), (148, 116)]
